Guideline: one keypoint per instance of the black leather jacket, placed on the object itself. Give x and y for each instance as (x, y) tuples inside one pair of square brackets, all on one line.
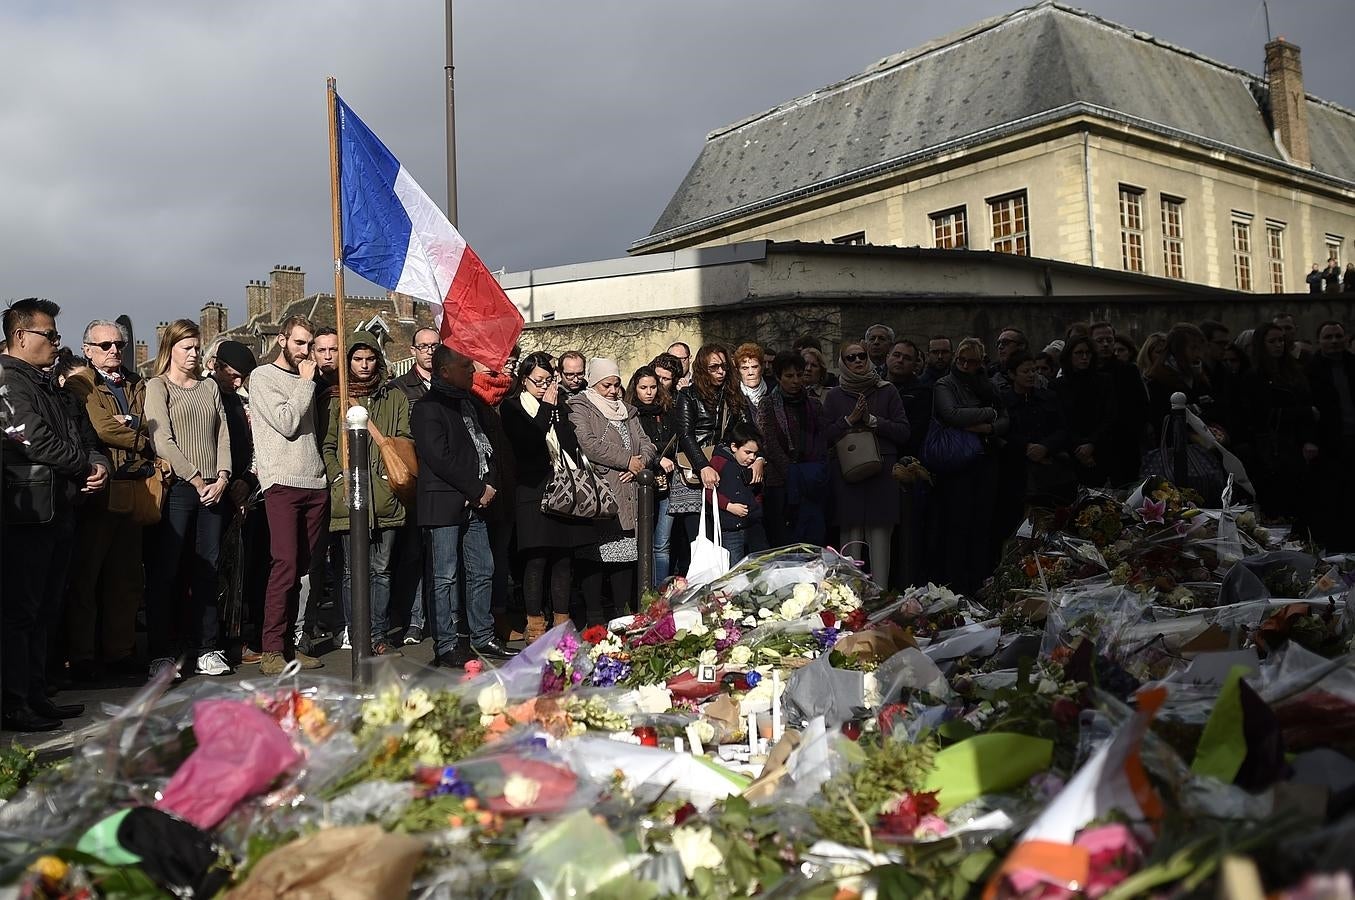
[(699, 424)]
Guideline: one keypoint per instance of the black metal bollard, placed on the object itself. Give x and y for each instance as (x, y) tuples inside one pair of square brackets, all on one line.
[(644, 532), (359, 544), (1180, 436)]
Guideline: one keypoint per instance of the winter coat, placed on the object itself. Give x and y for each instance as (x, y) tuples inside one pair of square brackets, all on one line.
[(736, 486), (781, 450), (527, 435), (699, 424), (389, 412), (872, 501), (601, 443)]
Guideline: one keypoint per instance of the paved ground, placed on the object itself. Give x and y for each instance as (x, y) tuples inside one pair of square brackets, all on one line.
[(116, 693)]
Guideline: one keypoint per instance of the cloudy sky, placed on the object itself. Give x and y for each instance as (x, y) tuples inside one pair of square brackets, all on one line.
[(156, 155)]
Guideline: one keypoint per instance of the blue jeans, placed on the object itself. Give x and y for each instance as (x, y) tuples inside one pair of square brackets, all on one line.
[(453, 547), (184, 520), (379, 553), (663, 536), (736, 542)]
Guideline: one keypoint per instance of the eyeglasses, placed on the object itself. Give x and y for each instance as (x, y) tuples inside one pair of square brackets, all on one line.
[(541, 383), (53, 336), (425, 348), (716, 367), (571, 376), (853, 357), (104, 345)]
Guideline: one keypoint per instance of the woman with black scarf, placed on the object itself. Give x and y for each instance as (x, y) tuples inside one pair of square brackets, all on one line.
[(866, 510), (654, 405), (966, 399)]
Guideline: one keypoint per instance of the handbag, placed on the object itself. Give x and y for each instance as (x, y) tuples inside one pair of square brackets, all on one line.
[(858, 455), (29, 494), (709, 559), (402, 467), (137, 491), (578, 491), (948, 449)]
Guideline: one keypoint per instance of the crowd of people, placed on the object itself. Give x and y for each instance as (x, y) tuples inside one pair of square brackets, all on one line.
[(204, 494)]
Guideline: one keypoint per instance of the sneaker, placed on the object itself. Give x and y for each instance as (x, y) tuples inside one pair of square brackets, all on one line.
[(213, 663), (306, 660), (272, 663), (159, 665), (344, 643), (250, 657), (413, 636)]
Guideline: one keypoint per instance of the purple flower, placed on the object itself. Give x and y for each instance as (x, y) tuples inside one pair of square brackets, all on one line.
[(826, 637), (608, 670), (663, 631), (552, 681), (732, 635), (568, 646)]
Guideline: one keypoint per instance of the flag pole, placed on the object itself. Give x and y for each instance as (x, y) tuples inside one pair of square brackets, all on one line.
[(336, 213)]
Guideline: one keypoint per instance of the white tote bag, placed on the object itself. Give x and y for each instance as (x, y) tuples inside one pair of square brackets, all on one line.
[(709, 559)]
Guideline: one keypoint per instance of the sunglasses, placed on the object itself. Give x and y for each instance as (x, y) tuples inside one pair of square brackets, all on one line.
[(53, 336), (716, 367), (853, 357), (106, 345)]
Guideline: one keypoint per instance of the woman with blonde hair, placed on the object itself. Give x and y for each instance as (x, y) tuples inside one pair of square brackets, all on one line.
[(186, 421), (1154, 345), (817, 378)]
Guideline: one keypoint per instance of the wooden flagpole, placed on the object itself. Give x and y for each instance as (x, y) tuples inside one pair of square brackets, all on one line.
[(336, 212)]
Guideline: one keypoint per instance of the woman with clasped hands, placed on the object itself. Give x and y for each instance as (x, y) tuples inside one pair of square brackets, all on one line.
[(186, 421)]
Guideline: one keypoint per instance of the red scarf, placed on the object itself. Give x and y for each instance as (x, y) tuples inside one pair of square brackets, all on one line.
[(491, 387)]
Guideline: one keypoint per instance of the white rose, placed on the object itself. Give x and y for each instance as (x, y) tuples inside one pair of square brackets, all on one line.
[(803, 593), (740, 656), (750, 622), (493, 699), (699, 629), (520, 791), (696, 850), (428, 748), (870, 690), (792, 609), (654, 698), (764, 613), (708, 657), (721, 634)]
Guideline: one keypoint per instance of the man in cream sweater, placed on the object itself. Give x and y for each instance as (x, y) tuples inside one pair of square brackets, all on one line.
[(292, 476)]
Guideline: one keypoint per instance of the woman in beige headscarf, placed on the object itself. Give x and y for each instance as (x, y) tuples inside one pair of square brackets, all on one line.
[(609, 433)]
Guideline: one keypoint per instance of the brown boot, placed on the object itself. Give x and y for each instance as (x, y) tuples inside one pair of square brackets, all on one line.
[(536, 626), (561, 618)]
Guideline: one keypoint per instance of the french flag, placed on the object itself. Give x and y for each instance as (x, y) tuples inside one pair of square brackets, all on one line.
[(395, 235)]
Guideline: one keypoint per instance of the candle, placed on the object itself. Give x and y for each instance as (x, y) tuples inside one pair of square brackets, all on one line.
[(777, 725), (677, 745), (649, 737), (752, 734)]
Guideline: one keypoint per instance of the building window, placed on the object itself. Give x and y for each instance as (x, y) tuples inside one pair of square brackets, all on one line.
[(1242, 251), (1131, 229), (856, 238), (1010, 229), (1334, 242), (1173, 238), (949, 229), (1275, 255)]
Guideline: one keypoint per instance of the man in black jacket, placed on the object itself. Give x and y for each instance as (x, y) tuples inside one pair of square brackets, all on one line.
[(50, 458), (411, 554), (1124, 456), (1331, 374), (456, 485)]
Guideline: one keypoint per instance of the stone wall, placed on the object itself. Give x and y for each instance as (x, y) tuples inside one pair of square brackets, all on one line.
[(635, 340)]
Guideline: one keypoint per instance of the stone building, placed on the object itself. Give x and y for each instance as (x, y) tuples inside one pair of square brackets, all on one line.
[(1047, 132)]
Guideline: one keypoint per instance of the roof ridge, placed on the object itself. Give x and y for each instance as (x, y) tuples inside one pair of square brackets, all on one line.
[(954, 38)]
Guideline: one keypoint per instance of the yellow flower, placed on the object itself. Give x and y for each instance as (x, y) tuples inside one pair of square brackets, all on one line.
[(51, 868)]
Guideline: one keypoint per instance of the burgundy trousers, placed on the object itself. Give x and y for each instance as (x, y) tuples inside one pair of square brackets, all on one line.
[(296, 518)]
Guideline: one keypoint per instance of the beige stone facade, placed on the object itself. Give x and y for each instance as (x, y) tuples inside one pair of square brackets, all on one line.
[(1057, 170)]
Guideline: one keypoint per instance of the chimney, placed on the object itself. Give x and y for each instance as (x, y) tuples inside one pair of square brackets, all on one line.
[(256, 300), (1288, 104), (211, 321), (160, 330), (286, 285), (143, 354)]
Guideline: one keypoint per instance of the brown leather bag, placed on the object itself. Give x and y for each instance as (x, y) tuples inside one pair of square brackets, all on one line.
[(402, 467), (139, 496)]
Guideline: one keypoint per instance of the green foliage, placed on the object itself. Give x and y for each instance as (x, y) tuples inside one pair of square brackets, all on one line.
[(853, 799), (18, 765)]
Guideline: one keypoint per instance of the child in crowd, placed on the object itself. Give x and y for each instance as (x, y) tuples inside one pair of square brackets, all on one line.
[(738, 498)]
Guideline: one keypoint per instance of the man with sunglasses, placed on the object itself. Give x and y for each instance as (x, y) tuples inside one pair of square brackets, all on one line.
[(50, 459), (107, 581)]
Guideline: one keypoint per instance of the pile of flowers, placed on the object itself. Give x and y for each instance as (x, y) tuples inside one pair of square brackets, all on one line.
[(1082, 728)]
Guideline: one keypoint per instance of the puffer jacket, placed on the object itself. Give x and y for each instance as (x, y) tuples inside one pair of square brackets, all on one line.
[(699, 425)]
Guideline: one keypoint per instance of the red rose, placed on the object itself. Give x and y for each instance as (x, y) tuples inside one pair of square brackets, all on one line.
[(828, 617), (855, 621)]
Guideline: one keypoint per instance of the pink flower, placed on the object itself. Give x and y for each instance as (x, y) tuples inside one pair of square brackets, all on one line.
[(1115, 854), (1152, 511), (474, 667)]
